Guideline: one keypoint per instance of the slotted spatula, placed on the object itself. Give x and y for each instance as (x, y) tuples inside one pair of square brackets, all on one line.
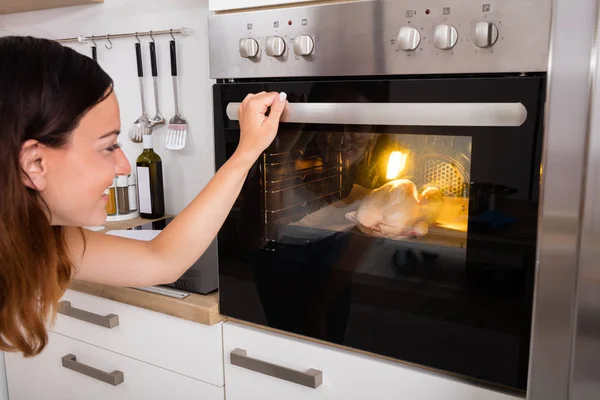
[(141, 126), (177, 130)]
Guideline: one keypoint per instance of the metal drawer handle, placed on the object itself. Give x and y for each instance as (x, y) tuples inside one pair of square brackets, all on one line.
[(108, 321), (114, 378), (313, 378)]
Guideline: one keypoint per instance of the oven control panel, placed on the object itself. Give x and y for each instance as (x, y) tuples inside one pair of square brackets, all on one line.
[(382, 37)]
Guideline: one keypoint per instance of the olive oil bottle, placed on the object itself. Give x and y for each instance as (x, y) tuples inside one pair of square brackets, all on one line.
[(150, 182)]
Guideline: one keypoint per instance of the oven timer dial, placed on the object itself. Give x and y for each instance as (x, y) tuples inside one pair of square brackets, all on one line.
[(275, 46), (485, 34), (445, 37), (248, 48), (303, 45), (408, 38)]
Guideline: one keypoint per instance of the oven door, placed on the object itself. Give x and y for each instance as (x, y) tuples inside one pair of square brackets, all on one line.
[(394, 216)]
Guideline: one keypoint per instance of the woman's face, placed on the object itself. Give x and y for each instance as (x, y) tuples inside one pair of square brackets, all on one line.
[(78, 174)]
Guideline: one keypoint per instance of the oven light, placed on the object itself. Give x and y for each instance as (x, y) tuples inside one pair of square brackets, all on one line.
[(396, 164)]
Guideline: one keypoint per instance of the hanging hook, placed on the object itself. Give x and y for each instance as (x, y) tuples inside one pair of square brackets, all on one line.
[(138, 39), (152, 37), (94, 50), (171, 33), (111, 45)]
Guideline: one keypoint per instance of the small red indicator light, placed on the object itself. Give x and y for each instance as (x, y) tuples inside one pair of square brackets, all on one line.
[(427, 12), (289, 22)]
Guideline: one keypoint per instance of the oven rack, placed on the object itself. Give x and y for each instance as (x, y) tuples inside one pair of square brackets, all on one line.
[(303, 174), (301, 185), (303, 204)]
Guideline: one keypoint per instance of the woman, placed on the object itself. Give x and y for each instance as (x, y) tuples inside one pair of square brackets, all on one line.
[(58, 154)]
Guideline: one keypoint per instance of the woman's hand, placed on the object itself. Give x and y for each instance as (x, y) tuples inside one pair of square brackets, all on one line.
[(258, 130)]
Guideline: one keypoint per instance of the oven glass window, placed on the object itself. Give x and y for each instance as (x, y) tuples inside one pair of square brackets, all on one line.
[(406, 190)]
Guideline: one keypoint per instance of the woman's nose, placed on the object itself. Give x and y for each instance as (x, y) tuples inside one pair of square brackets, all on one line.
[(122, 166)]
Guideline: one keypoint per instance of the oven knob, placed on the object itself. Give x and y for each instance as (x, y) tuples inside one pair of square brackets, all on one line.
[(445, 37), (408, 38), (248, 48), (303, 45), (485, 34), (275, 46)]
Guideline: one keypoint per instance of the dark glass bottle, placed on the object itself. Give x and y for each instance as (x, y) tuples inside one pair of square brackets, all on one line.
[(150, 182)]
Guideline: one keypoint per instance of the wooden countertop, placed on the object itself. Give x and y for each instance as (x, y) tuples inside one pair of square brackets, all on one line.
[(195, 307)]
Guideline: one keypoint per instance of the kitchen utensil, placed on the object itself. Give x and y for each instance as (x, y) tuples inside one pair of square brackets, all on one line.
[(158, 118), (141, 126), (94, 51), (177, 129)]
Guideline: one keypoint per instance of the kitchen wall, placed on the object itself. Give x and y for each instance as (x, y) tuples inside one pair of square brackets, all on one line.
[(3, 385), (185, 172)]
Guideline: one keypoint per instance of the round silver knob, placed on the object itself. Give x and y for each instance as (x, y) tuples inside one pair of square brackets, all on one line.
[(303, 45), (485, 34), (445, 37), (408, 38), (248, 48), (275, 46)]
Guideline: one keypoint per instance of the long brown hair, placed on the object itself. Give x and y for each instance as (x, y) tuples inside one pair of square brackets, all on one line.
[(45, 89)]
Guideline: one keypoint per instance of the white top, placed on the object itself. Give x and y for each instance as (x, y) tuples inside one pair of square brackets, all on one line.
[(147, 141), (122, 181)]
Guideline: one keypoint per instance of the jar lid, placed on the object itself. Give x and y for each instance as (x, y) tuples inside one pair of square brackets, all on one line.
[(122, 181)]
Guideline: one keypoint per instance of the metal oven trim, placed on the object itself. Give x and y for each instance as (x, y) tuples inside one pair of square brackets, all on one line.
[(380, 37), (585, 370), (566, 130)]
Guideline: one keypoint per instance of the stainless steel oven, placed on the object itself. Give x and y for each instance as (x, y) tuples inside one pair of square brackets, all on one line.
[(397, 210)]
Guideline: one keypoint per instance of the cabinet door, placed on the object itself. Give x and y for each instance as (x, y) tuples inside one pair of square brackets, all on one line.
[(220, 5), (182, 346), (84, 376), (345, 375)]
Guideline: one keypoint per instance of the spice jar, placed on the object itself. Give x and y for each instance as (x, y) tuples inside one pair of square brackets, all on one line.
[(123, 194), (111, 205), (132, 193)]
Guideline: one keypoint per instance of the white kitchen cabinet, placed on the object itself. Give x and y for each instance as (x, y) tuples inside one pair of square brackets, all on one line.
[(9, 7), (221, 5), (182, 346), (345, 375), (45, 376)]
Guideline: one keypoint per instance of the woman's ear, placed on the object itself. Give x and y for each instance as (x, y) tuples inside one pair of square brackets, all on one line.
[(33, 165)]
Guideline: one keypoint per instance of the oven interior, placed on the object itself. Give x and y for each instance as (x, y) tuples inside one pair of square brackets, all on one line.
[(313, 181)]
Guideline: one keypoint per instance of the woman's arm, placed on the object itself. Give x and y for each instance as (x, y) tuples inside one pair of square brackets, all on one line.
[(126, 262)]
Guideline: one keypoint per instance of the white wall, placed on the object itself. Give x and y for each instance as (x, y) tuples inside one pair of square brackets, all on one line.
[(218, 5), (186, 172), (3, 385)]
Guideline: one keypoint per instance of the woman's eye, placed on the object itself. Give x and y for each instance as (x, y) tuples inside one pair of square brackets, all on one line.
[(114, 147)]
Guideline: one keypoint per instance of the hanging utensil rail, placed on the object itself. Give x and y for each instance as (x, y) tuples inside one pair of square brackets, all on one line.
[(84, 39)]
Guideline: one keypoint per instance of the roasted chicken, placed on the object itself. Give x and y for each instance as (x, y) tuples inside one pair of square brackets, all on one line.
[(396, 210)]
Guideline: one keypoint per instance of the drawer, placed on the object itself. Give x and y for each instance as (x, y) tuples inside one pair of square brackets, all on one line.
[(53, 380), (179, 345), (300, 366)]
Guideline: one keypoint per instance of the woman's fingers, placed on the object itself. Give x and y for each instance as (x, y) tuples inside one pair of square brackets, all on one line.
[(277, 108), (261, 102)]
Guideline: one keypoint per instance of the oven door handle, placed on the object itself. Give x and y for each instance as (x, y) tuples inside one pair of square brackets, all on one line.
[(402, 114)]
